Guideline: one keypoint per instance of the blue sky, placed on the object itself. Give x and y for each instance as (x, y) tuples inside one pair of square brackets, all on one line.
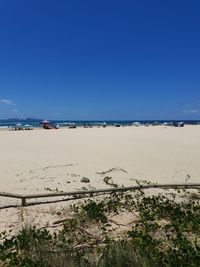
[(100, 59)]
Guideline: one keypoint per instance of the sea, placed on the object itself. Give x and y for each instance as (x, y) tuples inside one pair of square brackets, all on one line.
[(36, 123)]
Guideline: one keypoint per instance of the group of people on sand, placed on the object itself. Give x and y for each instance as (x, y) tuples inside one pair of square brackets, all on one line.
[(47, 125)]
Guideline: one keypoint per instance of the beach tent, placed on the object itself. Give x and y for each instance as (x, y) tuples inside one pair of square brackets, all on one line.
[(72, 125), (181, 124)]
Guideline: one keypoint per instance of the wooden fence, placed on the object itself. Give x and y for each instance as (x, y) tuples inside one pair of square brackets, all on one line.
[(91, 193)]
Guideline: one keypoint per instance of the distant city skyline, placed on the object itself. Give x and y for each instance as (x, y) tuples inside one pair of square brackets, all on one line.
[(105, 60)]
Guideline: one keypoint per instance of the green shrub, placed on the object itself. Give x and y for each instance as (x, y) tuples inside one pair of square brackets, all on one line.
[(166, 233)]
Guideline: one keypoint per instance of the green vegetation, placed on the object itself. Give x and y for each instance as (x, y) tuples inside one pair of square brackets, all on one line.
[(165, 232)]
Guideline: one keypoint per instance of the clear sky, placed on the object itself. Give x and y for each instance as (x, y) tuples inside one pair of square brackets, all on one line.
[(100, 59)]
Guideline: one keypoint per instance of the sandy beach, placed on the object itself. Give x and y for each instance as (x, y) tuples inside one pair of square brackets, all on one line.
[(56, 160)]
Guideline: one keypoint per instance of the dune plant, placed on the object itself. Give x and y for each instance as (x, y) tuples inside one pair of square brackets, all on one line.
[(166, 232)]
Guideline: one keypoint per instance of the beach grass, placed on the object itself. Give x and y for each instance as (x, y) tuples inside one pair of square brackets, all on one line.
[(165, 232)]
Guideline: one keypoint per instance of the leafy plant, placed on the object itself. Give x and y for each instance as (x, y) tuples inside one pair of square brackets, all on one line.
[(166, 233)]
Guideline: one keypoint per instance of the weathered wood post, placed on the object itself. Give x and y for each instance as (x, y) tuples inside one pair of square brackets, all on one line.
[(23, 201)]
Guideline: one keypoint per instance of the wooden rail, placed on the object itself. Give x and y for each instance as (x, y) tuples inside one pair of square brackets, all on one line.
[(91, 193)]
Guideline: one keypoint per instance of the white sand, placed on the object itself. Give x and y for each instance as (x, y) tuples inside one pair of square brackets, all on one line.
[(42, 160)]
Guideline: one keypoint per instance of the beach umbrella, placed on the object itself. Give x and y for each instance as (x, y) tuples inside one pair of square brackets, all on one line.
[(27, 126), (18, 126), (136, 123), (45, 122)]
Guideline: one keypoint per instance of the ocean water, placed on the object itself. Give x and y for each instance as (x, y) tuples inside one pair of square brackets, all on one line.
[(63, 123)]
